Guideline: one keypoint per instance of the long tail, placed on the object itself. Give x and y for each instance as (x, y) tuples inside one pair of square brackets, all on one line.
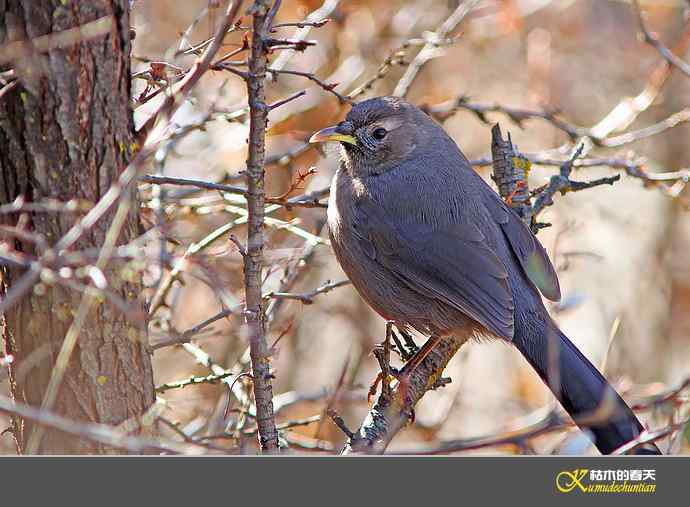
[(584, 393)]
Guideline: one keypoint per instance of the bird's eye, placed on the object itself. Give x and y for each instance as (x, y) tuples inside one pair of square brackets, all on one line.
[(379, 133)]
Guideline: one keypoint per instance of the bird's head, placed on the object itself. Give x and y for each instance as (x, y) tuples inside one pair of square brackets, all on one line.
[(379, 134)]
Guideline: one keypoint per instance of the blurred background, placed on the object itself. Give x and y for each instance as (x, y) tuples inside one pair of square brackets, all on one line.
[(622, 252)]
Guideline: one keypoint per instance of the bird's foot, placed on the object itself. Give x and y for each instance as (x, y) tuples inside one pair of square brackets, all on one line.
[(382, 353), (403, 375), (409, 349), (403, 383), (420, 355), (393, 373)]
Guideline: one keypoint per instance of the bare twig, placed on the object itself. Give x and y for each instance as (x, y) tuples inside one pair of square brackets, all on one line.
[(511, 170), (650, 39), (253, 261), (670, 396), (657, 128), (7, 76), (301, 24), (303, 31), (193, 331), (308, 443), (174, 426), (648, 437), (295, 423), (445, 110), (65, 38), (430, 49), (201, 357), (97, 432), (291, 277), (634, 168), (47, 205), (310, 200), (329, 87), (284, 101), (308, 297), (193, 381), (551, 423), (562, 183), (181, 89), (383, 356), (340, 423), (396, 57), (8, 88)]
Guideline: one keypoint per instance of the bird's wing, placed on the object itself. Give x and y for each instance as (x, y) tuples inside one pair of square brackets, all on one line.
[(532, 256), (451, 263)]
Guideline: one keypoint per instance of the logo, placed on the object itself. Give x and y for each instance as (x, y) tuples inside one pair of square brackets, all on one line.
[(623, 481)]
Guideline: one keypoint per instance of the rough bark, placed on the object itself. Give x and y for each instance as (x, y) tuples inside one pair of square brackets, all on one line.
[(67, 132), (511, 171)]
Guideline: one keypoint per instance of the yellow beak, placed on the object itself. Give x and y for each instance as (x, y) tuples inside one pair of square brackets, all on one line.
[(332, 134)]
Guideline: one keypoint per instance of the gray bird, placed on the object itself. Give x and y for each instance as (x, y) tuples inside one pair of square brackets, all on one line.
[(430, 246)]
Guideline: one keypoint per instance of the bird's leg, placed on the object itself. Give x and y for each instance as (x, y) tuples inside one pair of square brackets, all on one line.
[(383, 356), (411, 345), (405, 373), (403, 352), (374, 385)]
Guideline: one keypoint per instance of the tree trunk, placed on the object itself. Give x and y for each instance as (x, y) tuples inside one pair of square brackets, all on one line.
[(66, 132)]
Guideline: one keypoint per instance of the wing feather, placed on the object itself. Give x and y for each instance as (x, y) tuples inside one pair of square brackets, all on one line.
[(529, 252)]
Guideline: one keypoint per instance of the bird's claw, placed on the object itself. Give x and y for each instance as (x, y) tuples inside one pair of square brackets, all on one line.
[(392, 372), (409, 349)]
